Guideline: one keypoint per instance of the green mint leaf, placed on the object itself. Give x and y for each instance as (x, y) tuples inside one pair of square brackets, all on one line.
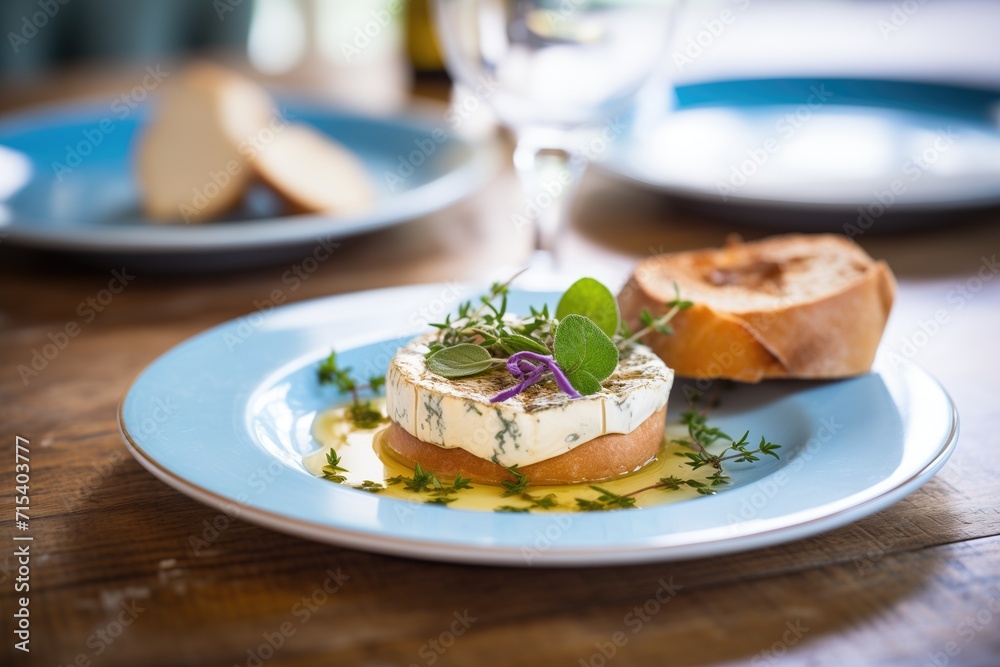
[(514, 342), (584, 353), (590, 298), (459, 361)]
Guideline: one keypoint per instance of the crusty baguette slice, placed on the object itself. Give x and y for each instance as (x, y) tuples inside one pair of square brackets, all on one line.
[(313, 172), (190, 166), (794, 306), (605, 457)]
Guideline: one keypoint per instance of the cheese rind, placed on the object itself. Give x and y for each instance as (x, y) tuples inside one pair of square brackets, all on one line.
[(539, 423)]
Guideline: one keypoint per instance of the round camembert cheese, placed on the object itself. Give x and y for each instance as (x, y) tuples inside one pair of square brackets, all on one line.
[(539, 423)]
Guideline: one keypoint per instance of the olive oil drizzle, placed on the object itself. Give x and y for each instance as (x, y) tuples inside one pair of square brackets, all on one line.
[(367, 465)]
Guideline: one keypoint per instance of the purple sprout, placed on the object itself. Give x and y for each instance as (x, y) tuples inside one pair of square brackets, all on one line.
[(529, 368)]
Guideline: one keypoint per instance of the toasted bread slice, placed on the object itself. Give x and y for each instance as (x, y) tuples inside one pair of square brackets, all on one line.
[(313, 172), (605, 457), (190, 166), (793, 306)]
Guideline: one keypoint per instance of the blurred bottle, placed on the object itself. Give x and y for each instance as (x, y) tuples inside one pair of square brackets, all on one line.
[(421, 43)]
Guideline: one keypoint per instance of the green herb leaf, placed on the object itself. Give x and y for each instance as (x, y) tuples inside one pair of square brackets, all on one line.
[(420, 481), (330, 373), (613, 499), (459, 361), (365, 415), (678, 302), (332, 469), (461, 482), (548, 501), (362, 413), (520, 483), (584, 353), (370, 486), (513, 343), (590, 298), (587, 505), (651, 323)]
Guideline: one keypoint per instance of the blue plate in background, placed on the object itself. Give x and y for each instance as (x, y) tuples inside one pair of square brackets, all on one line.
[(856, 147), (67, 183)]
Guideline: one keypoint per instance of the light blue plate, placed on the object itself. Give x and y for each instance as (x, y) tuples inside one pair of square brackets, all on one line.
[(67, 182), (225, 418), (822, 145)]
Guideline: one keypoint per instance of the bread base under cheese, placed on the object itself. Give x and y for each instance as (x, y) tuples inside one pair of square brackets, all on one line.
[(605, 457)]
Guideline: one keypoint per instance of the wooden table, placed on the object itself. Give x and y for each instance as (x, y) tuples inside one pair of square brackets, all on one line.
[(115, 579)]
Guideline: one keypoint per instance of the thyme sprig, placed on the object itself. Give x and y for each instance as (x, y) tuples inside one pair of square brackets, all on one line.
[(428, 481), (511, 508), (370, 486), (486, 325), (650, 323), (515, 487), (333, 470), (701, 436), (360, 412), (420, 481), (607, 500), (546, 502)]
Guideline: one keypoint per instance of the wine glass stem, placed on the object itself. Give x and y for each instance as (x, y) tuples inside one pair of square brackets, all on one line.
[(549, 173)]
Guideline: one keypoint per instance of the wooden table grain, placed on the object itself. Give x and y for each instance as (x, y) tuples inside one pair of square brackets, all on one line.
[(126, 571)]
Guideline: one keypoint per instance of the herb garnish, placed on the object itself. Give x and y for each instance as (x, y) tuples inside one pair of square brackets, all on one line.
[(591, 299), (658, 324), (519, 484), (484, 325), (548, 501), (545, 502), (370, 486), (586, 354), (420, 481), (529, 368), (461, 360), (516, 487), (361, 413), (606, 501), (332, 470), (427, 481), (578, 348), (700, 436)]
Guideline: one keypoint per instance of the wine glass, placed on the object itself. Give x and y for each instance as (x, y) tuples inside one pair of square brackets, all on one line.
[(554, 70)]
